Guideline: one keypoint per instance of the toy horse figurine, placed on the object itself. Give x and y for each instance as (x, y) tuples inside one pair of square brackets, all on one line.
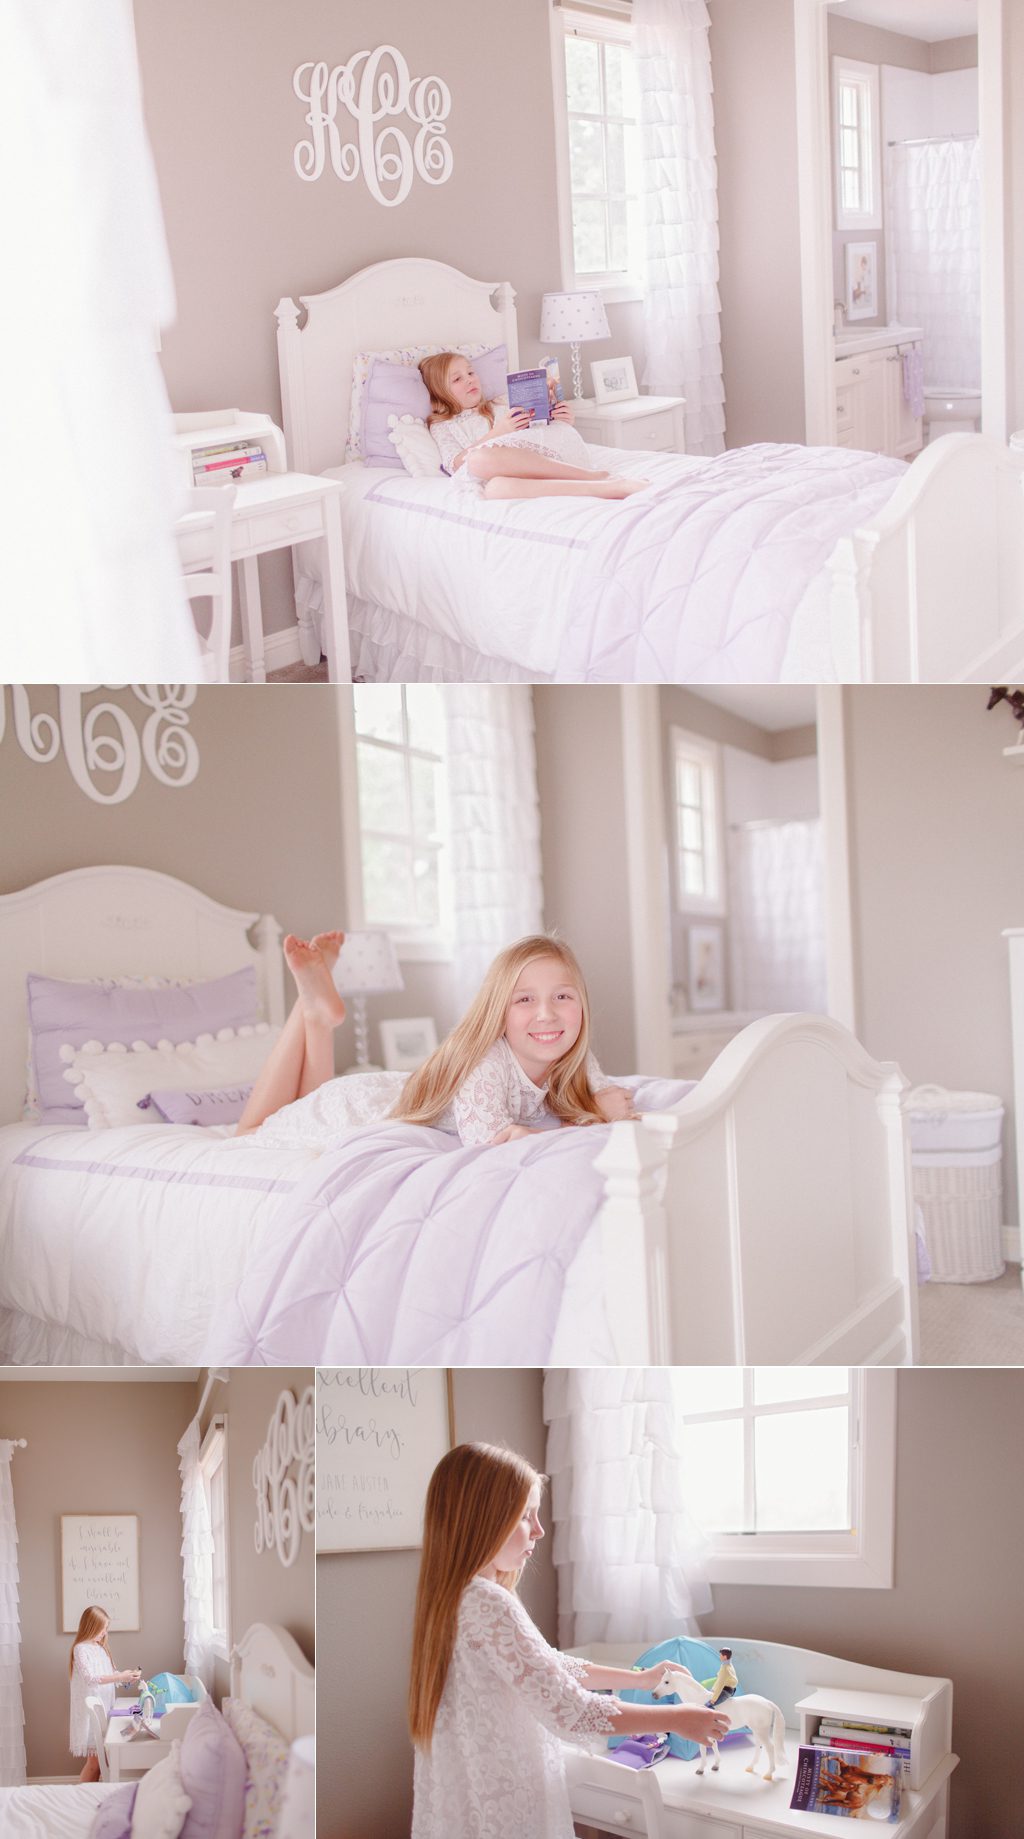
[(760, 1715)]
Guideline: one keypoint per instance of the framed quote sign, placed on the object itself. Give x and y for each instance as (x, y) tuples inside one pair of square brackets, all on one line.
[(99, 1564), (380, 1433)]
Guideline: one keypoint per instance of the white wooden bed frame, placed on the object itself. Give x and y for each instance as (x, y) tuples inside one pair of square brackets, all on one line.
[(931, 591)]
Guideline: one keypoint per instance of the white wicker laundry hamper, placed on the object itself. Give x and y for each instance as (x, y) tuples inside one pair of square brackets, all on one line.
[(957, 1160)]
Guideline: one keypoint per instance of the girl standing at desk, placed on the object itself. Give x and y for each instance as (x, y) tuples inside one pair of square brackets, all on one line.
[(93, 1675)]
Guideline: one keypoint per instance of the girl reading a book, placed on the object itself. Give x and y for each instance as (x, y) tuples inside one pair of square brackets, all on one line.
[(520, 1055), (490, 449), (488, 1698), (93, 1675)]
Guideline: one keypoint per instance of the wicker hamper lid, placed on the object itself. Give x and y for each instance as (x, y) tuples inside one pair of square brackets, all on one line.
[(930, 1100)]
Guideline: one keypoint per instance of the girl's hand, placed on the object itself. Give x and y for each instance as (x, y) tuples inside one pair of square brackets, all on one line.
[(614, 1103), (511, 421), (699, 1725), (646, 1678), (563, 411), (509, 1134)]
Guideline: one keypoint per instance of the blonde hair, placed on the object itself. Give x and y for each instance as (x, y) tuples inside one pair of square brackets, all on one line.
[(92, 1626), (476, 1495), (443, 406), (429, 1091)]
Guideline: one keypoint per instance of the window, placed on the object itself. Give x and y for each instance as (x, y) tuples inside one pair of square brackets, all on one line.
[(697, 805), (213, 1468), (399, 871), (791, 1471), (857, 160), (598, 152)]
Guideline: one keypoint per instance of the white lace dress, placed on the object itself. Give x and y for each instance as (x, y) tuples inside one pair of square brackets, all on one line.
[(91, 1662), (559, 440), (496, 1093), (495, 1768)]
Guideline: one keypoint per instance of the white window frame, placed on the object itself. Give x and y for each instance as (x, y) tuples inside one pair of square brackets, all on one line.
[(707, 755), (213, 1457), (858, 1559), (413, 944), (864, 78), (613, 23)]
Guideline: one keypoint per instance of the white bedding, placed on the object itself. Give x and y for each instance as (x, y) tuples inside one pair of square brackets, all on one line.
[(57, 1811)]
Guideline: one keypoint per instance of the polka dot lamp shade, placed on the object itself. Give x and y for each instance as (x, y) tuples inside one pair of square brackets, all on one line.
[(367, 965), (573, 319)]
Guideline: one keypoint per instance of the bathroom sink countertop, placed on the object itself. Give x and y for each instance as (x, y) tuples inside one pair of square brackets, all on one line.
[(852, 340)]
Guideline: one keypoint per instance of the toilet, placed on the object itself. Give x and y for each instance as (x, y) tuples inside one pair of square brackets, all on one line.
[(952, 411)]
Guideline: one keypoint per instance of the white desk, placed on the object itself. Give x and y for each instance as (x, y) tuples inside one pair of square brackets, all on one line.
[(135, 1757), (276, 512)]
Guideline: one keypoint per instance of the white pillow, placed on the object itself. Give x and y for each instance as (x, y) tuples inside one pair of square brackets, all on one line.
[(111, 1080), (405, 354), (161, 1804), (266, 1766), (414, 445)]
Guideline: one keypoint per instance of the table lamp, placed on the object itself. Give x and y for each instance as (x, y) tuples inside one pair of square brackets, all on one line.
[(573, 319), (367, 966), (297, 1818)]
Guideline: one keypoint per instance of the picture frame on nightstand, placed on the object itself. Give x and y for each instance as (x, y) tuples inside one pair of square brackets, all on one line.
[(614, 380)]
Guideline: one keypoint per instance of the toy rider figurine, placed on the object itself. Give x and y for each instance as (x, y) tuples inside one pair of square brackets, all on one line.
[(725, 1681)]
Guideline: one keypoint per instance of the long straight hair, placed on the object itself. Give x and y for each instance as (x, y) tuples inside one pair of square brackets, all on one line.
[(476, 1495), (93, 1624), (429, 1091), (443, 406)]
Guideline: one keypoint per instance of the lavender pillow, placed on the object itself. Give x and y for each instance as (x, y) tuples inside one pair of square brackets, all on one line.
[(114, 1815), (220, 1107), (399, 389), (492, 369), (213, 1776), (71, 1014)]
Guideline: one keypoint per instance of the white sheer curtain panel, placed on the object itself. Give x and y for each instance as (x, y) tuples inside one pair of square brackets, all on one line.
[(934, 255), (12, 1716), (196, 1559), (494, 824), (92, 590), (682, 335), (777, 916), (630, 1561)]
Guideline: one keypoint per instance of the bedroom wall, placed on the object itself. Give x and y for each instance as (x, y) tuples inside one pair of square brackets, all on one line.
[(937, 873), (93, 1447), (957, 1556), (1013, 80), (365, 1604)]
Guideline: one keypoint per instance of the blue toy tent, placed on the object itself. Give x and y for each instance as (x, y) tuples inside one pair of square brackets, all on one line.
[(701, 1660)]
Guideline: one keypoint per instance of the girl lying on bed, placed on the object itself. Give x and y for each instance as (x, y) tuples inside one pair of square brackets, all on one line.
[(488, 448), (520, 1053)]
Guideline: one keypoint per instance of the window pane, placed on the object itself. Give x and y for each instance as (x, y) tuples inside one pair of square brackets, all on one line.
[(776, 1385), (616, 144), (383, 803), (425, 711), (851, 191), (693, 873), (582, 75), (801, 1466), (424, 800), (589, 236), (586, 150), (708, 1388), (688, 782), (428, 903), (849, 147), (378, 709), (713, 1466), (388, 893), (615, 57), (848, 99), (693, 829), (618, 248)]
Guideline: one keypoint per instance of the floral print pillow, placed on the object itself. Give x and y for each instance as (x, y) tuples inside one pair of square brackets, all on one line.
[(266, 1765)]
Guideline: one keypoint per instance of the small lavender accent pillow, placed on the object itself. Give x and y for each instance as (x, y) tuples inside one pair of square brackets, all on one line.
[(61, 1013), (213, 1776), (114, 1816), (224, 1106)]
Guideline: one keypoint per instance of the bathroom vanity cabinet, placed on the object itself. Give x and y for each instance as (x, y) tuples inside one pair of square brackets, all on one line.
[(872, 413)]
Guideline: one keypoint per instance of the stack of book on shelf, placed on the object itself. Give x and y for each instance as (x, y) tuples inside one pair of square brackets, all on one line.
[(883, 1739), (228, 462)]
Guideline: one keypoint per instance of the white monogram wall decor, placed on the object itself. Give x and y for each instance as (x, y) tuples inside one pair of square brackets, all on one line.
[(372, 88), (284, 1478), (90, 747)]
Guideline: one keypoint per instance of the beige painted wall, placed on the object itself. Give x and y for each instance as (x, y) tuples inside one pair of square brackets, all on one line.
[(260, 1587), (92, 1448), (1013, 90), (365, 1606), (937, 872)]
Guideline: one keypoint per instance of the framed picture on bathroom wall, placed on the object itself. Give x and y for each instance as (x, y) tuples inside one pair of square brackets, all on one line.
[(380, 1434), (706, 961), (862, 280), (99, 1563)]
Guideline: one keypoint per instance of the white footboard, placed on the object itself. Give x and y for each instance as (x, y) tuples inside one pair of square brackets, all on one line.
[(767, 1219), (932, 591)]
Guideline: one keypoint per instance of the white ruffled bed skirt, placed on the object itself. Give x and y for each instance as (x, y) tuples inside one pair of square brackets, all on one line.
[(26, 1341), (388, 647)]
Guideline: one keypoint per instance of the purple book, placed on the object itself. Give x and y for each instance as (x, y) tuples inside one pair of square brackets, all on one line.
[(537, 390)]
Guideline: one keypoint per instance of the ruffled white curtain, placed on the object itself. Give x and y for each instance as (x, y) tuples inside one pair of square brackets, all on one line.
[(495, 823), (682, 335), (631, 1562), (92, 590), (12, 1717), (934, 255), (777, 916), (196, 1559)]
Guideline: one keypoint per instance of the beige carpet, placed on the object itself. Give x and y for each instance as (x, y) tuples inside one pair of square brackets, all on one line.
[(300, 673), (973, 1324)]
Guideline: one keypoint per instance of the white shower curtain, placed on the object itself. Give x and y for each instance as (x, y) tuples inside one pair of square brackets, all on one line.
[(630, 1561), (934, 254), (196, 1559), (12, 1717), (494, 824), (680, 197), (777, 916)]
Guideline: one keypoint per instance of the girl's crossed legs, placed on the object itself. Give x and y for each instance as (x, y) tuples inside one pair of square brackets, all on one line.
[(518, 472), (303, 1057)]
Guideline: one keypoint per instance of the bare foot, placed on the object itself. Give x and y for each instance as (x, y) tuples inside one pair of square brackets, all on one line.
[(624, 488), (329, 945), (317, 994)]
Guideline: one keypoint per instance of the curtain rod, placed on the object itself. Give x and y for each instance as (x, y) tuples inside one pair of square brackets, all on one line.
[(931, 140), (18, 1442)]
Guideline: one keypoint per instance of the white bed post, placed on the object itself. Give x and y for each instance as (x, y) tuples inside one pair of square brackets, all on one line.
[(267, 938), (634, 1239), (890, 1102)]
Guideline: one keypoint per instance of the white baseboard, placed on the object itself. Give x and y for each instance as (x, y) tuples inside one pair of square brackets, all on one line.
[(49, 1781), (1011, 1244), (279, 649)]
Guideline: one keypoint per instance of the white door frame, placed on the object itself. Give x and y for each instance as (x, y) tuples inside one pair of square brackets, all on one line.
[(814, 168), (833, 796)]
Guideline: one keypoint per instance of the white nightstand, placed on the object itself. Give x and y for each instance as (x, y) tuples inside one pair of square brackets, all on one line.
[(654, 424)]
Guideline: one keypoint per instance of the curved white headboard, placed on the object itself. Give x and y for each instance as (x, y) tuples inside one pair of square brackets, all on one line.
[(271, 1673), (121, 922), (408, 301)]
